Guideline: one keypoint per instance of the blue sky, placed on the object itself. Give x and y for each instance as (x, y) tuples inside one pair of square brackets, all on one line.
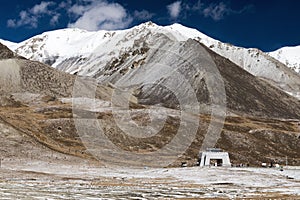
[(264, 24)]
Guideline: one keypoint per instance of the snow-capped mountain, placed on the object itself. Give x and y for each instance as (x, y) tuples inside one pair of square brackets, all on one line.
[(102, 53), (289, 56)]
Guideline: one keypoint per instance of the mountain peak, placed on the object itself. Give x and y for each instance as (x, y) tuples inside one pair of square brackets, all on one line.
[(148, 24)]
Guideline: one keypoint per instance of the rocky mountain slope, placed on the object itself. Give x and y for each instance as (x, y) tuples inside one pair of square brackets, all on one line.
[(261, 125), (86, 53)]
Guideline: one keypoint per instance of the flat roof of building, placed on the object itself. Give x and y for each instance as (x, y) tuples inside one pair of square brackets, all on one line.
[(214, 150)]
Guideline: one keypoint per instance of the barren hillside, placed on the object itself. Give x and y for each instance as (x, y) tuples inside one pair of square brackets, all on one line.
[(36, 110)]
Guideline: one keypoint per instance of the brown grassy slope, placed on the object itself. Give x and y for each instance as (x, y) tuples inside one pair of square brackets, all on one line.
[(248, 139)]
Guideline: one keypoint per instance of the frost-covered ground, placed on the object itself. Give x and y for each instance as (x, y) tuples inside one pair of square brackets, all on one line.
[(42, 180)]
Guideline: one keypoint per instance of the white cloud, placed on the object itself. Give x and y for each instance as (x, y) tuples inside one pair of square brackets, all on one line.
[(25, 18), (85, 14), (78, 10), (95, 15), (174, 9), (31, 16), (102, 14), (194, 7), (142, 15), (11, 23), (216, 12), (54, 20), (65, 4), (42, 8)]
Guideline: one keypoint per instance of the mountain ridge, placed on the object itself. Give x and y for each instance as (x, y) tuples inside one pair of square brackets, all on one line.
[(86, 53)]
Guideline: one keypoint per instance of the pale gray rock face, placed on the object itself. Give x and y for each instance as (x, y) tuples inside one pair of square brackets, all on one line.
[(173, 74), (20, 75), (168, 69)]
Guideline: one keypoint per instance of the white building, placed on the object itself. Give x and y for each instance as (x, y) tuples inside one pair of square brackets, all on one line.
[(214, 157)]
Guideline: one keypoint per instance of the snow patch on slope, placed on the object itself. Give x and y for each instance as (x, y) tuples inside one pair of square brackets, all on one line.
[(10, 45), (289, 56)]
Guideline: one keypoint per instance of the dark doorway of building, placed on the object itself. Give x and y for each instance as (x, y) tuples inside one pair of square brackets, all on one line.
[(216, 162)]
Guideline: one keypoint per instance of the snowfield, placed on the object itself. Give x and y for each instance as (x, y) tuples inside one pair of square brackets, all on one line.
[(289, 56)]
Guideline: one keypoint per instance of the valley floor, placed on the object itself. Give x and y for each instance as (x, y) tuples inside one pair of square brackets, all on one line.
[(44, 180)]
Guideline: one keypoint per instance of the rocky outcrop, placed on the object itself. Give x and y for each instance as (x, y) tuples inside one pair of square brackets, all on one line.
[(5, 52)]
